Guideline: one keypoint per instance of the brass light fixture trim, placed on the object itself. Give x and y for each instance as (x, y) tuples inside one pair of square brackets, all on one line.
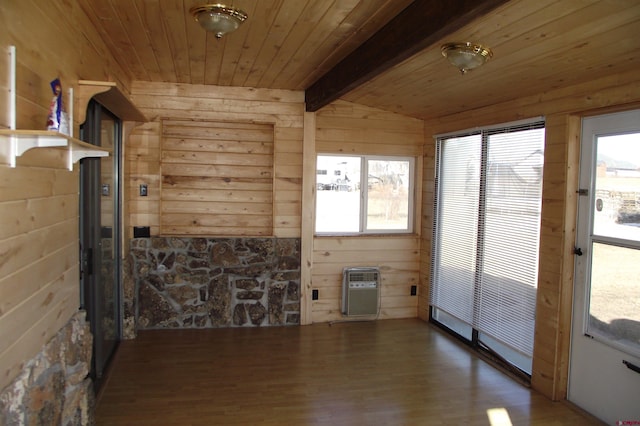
[(466, 56), (218, 18)]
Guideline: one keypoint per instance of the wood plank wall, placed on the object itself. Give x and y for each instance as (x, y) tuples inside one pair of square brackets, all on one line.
[(280, 111), (428, 198), (217, 178), (562, 109), (39, 285), (142, 167), (346, 128)]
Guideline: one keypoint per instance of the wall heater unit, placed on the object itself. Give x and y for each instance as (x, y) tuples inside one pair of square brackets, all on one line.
[(360, 291)]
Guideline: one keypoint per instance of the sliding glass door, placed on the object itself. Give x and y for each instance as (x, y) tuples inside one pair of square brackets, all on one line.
[(100, 236), (485, 262)]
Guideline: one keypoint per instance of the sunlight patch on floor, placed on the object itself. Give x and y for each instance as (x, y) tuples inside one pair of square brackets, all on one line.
[(499, 417)]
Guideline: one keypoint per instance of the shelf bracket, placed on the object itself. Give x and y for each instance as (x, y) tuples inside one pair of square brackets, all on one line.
[(23, 144), (77, 153)]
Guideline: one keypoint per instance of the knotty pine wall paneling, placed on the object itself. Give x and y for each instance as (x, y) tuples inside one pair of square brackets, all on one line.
[(279, 112), (309, 189), (428, 197), (563, 109), (39, 269), (347, 128), (142, 167), (217, 178)]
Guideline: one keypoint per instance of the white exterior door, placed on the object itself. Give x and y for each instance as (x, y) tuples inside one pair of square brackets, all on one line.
[(604, 376)]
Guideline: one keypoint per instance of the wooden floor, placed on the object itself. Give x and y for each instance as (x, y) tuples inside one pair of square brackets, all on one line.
[(393, 372)]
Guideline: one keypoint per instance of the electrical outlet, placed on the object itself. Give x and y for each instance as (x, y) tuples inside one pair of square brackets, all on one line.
[(143, 190), (314, 294), (141, 232), (414, 290)]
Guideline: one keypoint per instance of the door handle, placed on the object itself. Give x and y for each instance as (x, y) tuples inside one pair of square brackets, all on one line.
[(577, 251), (631, 366), (87, 261)]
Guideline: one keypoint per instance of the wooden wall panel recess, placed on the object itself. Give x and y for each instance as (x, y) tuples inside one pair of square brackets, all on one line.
[(217, 160), (217, 178)]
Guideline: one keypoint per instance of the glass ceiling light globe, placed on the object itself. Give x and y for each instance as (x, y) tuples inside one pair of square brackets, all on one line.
[(218, 18), (466, 56)]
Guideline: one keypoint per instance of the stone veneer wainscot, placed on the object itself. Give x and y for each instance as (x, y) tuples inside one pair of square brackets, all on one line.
[(54, 387), (213, 282)]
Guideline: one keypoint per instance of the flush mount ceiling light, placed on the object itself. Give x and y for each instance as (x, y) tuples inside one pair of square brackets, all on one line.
[(466, 56), (218, 18)]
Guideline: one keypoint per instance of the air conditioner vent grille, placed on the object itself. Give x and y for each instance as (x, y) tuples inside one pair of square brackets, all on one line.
[(361, 291), (363, 276)]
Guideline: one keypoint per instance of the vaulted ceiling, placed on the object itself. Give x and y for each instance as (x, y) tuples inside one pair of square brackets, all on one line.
[(538, 45)]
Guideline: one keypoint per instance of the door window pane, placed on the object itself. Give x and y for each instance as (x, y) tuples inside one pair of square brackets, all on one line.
[(457, 226), (614, 297), (617, 187), (614, 303), (108, 206), (511, 218)]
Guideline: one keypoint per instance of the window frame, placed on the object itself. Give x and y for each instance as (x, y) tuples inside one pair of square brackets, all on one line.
[(364, 190)]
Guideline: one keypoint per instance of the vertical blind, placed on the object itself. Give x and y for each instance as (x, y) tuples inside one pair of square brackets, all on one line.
[(486, 237)]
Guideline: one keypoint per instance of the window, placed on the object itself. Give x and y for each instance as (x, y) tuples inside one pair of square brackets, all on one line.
[(486, 238), (364, 194)]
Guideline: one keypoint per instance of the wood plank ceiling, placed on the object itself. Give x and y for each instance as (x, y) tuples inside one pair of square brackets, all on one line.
[(538, 45)]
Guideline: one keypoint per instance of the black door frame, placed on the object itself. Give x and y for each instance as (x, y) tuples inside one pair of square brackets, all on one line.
[(92, 232)]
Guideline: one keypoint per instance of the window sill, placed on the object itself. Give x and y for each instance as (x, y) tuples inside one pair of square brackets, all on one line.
[(380, 235)]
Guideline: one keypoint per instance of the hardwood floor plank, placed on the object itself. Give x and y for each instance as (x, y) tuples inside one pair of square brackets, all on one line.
[(392, 372)]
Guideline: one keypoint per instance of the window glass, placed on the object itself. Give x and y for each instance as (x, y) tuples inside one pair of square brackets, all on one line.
[(614, 296), (338, 194), (388, 194), (364, 194)]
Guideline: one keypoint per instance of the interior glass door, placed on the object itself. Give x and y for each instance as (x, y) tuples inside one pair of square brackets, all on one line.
[(100, 237), (605, 357)]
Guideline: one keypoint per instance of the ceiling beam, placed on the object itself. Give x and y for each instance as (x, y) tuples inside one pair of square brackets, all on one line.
[(418, 26)]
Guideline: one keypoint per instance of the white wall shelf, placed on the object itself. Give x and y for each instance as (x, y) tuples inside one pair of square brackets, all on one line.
[(17, 142), (20, 141)]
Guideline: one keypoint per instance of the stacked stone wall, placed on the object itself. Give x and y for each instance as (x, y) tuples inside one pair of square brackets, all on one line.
[(129, 298), (54, 387), (214, 282)]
